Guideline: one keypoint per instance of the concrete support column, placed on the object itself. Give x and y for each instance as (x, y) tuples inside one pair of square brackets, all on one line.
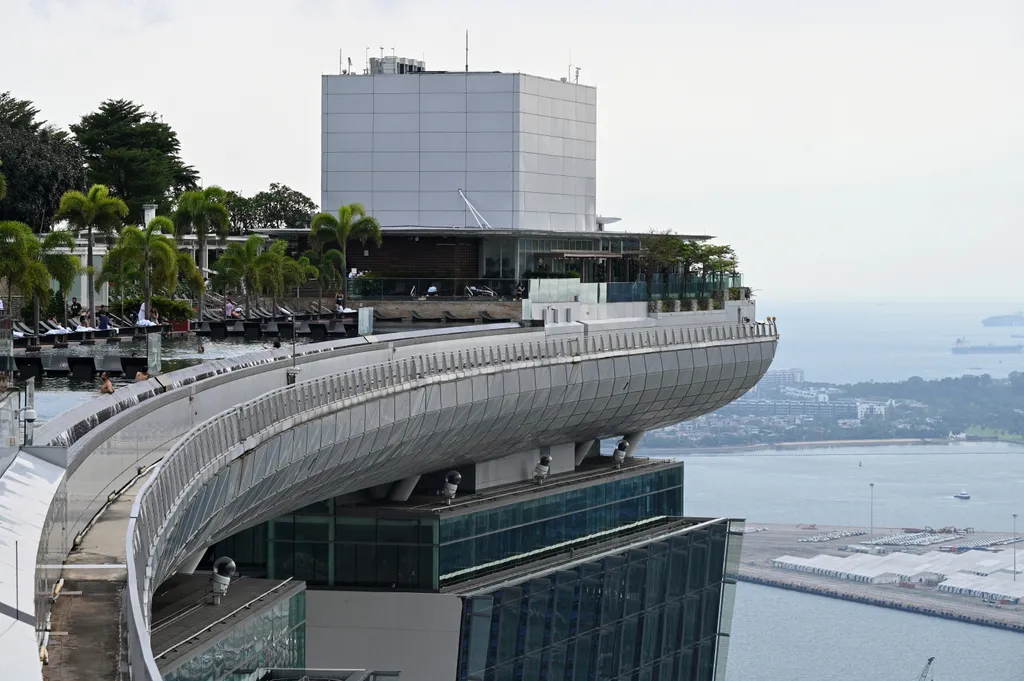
[(190, 565), (402, 490), (634, 441), (582, 450)]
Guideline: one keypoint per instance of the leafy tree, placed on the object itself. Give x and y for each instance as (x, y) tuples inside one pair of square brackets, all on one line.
[(136, 154), (154, 254), (278, 207), (281, 207), (352, 222), (715, 259), (19, 113), (42, 163), (202, 213), (96, 210), (247, 267), (3, 185), (243, 213)]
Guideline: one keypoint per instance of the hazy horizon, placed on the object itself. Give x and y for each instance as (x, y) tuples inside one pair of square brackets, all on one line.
[(847, 150)]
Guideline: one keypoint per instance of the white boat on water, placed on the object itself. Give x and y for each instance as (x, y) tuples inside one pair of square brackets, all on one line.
[(963, 495)]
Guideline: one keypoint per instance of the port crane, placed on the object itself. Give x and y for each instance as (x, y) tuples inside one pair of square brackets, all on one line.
[(927, 668)]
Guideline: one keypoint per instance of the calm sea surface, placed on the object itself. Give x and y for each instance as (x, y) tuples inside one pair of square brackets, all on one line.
[(786, 636)]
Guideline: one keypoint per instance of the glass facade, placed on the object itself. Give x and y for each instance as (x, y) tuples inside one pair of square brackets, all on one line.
[(274, 637), (474, 539), (330, 544), (648, 614)]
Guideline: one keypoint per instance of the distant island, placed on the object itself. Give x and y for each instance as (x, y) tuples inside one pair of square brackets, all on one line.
[(1004, 320), (783, 409)]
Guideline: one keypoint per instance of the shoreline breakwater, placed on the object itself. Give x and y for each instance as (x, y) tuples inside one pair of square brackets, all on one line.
[(883, 602)]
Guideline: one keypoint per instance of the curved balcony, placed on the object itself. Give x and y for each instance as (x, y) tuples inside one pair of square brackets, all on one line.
[(409, 415)]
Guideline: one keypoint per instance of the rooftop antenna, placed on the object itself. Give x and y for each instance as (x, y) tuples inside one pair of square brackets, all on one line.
[(570, 65), (341, 62), (382, 53), (467, 50), (366, 67), (392, 52), (577, 81), (350, 66)]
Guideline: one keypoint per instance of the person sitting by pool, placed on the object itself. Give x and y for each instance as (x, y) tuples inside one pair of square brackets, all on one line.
[(104, 319), (155, 316), (142, 374), (107, 388)]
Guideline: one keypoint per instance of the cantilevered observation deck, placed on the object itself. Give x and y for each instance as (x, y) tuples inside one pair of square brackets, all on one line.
[(234, 444)]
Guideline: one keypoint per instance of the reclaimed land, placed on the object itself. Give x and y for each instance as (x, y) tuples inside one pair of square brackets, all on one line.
[(759, 548)]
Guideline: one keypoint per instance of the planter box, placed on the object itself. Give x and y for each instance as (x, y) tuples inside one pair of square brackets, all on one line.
[(179, 327)]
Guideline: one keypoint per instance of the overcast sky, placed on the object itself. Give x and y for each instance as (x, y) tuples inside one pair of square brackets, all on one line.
[(852, 150)]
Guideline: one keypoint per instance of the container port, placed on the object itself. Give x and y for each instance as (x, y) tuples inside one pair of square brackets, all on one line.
[(951, 573)]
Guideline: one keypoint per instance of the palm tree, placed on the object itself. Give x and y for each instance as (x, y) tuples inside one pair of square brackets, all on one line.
[(294, 273), (25, 261), (202, 213), (328, 266), (352, 222), (59, 259), (94, 210), (245, 266), (153, 253)]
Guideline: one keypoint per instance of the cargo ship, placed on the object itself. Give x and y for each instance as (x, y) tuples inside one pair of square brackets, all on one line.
[(962, 347), (1004, 320)]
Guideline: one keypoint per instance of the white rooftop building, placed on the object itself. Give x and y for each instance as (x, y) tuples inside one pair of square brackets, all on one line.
[(425, 148)]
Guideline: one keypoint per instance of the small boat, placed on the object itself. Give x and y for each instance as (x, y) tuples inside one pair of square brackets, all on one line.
[(963, 495), (860, 464)]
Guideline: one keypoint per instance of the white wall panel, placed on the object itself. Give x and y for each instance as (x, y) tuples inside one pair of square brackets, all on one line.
[(442, 122), (403, 181), (396, 103), (442, 141), (443, 102), (330, 202), (349, 181), (396, 122), (396, 161), (354, 103), (448, 200), (440, 181), (488, 181), (396, 141), (490, 141), (490, 101), (348, 123), (347, 141), (490, 161), (492, 122), (437, 218), (339, 85), (395, 200), (394, 84), (444, 161), (393, 218), (490, 82), (443, 83)]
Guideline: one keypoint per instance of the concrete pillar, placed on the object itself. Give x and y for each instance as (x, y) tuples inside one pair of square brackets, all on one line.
[(582, 450), (190, 565), (401, 490), (634, 441)]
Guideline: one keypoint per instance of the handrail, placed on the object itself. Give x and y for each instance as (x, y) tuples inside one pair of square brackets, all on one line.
[(197, 454), (225, 617)]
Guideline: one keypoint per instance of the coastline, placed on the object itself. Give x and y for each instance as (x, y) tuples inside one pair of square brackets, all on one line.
[(821, 444), (881, 602)]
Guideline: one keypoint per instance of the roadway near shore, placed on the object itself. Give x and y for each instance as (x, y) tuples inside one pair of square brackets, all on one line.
[(760, 548)]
